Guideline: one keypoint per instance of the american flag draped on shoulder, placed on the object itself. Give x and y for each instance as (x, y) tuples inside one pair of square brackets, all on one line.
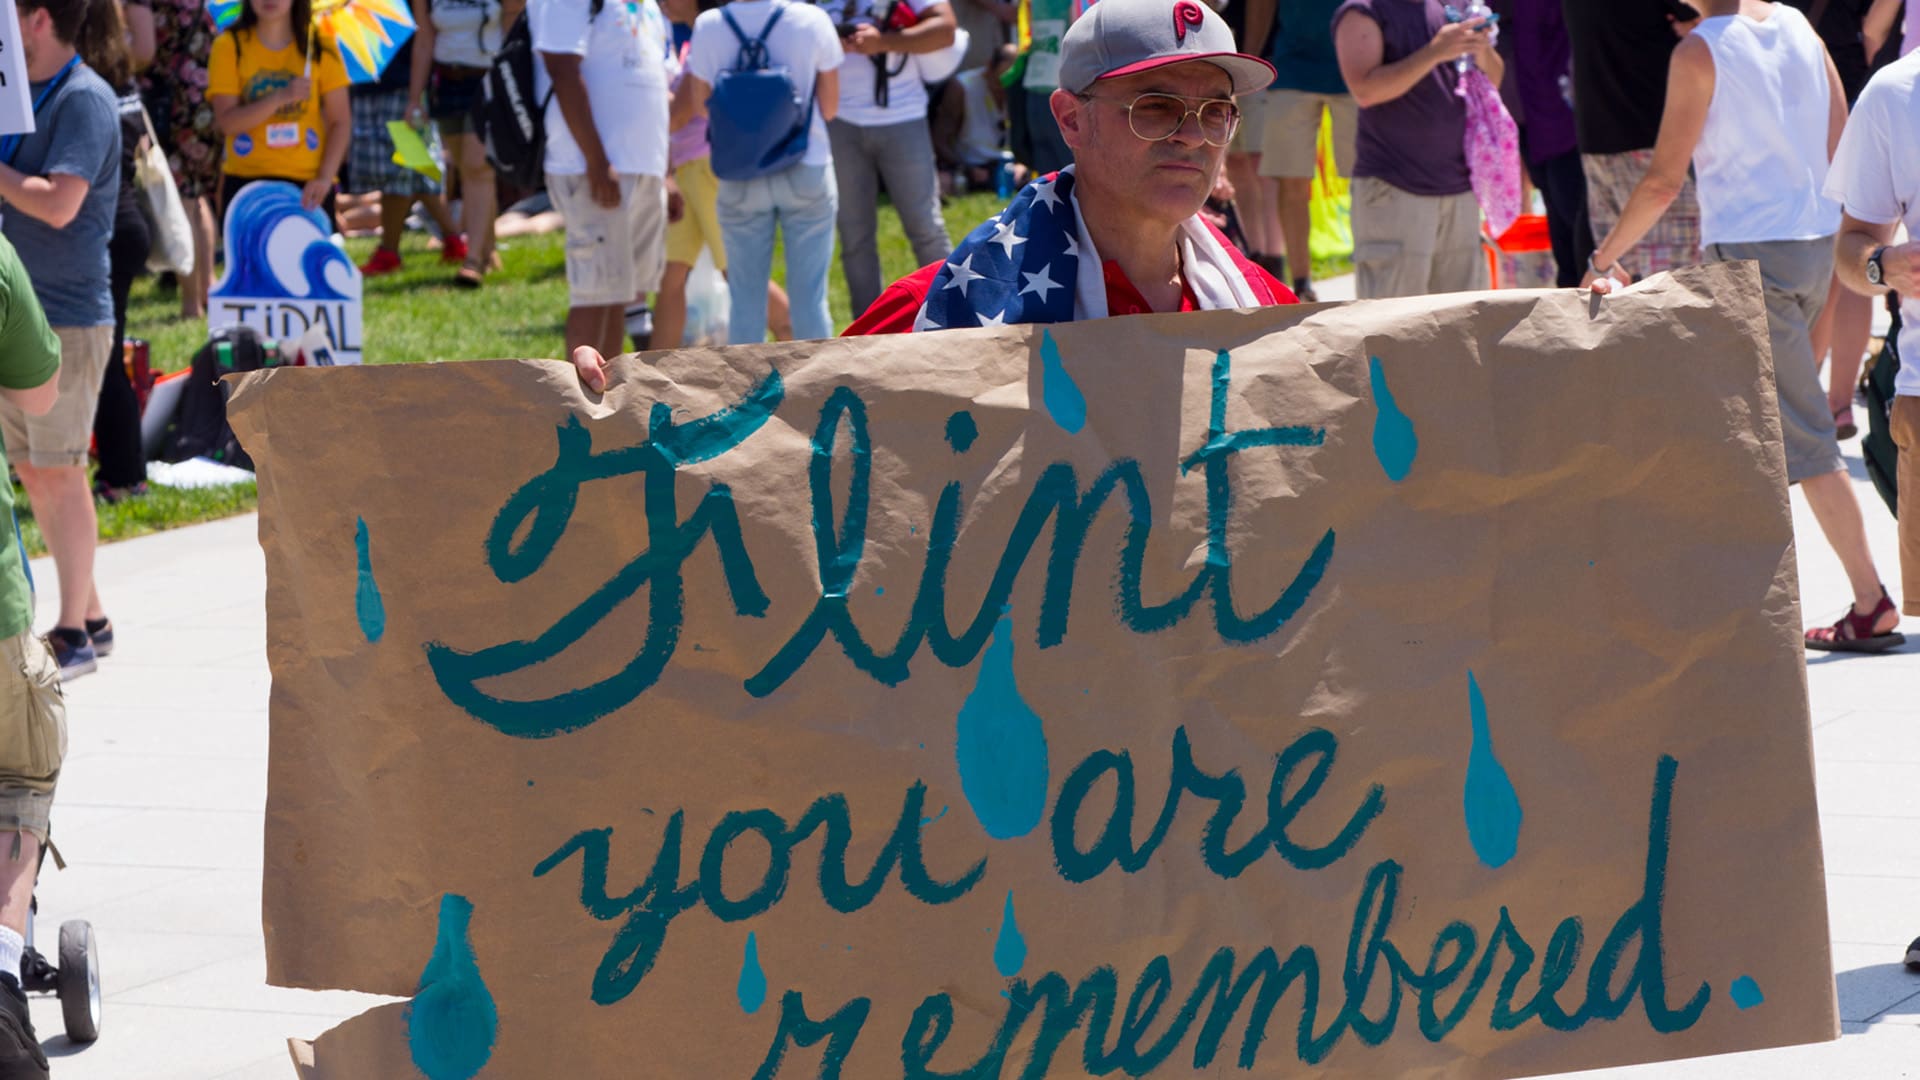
[(1019, 267)]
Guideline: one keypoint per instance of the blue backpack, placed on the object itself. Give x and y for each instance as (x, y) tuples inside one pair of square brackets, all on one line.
[(756, 122)]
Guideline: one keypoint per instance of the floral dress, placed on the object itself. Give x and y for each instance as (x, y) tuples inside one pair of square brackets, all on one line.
[(176, 92)]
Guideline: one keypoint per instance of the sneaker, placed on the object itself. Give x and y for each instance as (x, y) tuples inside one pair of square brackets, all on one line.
[(73, 649), (453, 249), (20, 1055), (384, 261), (100, 632), (639, 323), (1913, 956)]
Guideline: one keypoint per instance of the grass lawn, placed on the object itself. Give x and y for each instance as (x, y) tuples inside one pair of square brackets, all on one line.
[(417, 315)]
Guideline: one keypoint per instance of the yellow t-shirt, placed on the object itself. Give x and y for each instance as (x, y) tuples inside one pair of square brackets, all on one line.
[(288, 145)]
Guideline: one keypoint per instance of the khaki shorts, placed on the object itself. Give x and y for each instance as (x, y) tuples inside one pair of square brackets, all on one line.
[(1412, 245), (1253, 120), (613, 253), (1906, 435), (1290, 138), (699, 224), (63, 436), (33, 735)]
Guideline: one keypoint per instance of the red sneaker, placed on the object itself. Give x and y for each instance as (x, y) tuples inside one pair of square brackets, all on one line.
[(453, 249), (384, 261)]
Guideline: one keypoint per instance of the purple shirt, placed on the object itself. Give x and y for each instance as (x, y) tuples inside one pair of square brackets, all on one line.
[(690, 142), (1533, 42), (1417, 141)]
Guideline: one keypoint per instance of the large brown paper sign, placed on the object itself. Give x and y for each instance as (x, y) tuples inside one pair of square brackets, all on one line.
[(1396, 689)]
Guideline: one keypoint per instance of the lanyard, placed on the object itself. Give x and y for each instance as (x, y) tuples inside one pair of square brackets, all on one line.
[(10, 145)]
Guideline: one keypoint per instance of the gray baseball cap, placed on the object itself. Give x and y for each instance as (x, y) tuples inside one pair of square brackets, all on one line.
[(1121, 37)]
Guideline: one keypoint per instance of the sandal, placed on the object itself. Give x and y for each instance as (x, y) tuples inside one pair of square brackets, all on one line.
[(1854, 632), (1843, 425), (469, 277)]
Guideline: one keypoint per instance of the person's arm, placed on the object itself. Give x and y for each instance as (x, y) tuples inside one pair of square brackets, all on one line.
[(689, 102), (336, 129), (933, 32), (140, 40), (826, 90), (53, 199), (1899, 264), (36, 400), (1877, 26), (570, 90), (1260, 25), (423, 35), (232, 118), (1690, 80), (1836, 105), (1362, 53)]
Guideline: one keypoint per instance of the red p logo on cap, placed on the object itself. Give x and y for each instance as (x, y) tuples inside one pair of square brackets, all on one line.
[(1186, 14)]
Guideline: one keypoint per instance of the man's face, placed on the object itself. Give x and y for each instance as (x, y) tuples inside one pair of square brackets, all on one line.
[(1167, 180), (33, 26)]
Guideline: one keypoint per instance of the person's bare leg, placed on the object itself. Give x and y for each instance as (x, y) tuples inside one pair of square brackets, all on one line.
[(1244, 174), (588, 326), (477, 196), (393, 220), (64, 509), (1838, 512), (1296, 224), (436, 208), (95, 612), (17, 876), (1852, 327), (613, 331), (670, 307), (195, 286), (779, 312)]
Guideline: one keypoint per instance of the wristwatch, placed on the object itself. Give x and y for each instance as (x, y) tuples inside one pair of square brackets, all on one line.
[(1876, 273)]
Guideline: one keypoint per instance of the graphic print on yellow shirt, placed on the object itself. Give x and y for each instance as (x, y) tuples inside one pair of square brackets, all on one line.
[(288, 145)]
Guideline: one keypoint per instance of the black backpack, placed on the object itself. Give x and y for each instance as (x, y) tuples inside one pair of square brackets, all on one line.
[(199, 427), (506, 119), (1881, 457)]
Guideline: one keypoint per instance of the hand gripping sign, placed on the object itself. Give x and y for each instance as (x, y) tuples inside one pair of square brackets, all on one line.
[(1397, 687)]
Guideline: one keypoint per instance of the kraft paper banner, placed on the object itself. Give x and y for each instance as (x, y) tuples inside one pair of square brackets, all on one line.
[(1409, 688)]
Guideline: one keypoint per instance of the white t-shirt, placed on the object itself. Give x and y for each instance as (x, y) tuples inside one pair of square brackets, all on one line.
[(624, 55), (981, 137), (906, 94), (466, 32), (1876, 178), (803, 42)]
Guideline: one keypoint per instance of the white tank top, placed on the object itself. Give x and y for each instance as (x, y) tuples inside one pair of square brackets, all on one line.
[(1762, 160)]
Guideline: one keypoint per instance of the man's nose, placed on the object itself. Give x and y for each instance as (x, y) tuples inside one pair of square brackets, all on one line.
[(1189, 133)]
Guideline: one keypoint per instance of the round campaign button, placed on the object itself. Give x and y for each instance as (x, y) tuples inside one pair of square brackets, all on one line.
[(313, 139), (243, 144)]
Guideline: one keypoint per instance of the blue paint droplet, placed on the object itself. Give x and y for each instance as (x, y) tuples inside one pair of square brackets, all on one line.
[(1394, 442), (1745, 992), (1492, 806), (1589, 563), (961, 431), (753, 980), (881, 591), (529, 783), (1001, 746), (1058, 390), (923, 746), (1010, 950), (926, 821), (366, 601), (452, 1021)]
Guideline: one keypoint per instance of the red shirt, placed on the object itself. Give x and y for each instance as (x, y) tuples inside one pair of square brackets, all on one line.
[(899, 304)]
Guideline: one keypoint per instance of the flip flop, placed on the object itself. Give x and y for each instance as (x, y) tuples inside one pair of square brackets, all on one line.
[(1854, 632)]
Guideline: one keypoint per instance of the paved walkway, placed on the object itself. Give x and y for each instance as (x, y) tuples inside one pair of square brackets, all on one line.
[(160, 811)]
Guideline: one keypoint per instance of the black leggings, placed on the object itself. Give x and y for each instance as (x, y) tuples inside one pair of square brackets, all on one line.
[(116, 424)]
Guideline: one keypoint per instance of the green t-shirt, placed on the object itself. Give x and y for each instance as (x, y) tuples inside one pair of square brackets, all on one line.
[(1047, 21), (29, 356)]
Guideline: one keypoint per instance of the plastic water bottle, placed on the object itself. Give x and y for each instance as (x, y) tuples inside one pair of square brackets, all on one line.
[(1478, 9), (1003, 181)]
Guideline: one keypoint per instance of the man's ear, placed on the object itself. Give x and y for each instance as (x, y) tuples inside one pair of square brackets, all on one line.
[(1070, 113)]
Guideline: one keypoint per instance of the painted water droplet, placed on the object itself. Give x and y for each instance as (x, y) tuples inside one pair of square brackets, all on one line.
[(961, 431), (1058, 390), (880, 591), (1010, 949), (1001, 746), (1492, 806), (926, 821), (1745, 992), (753, 979), (452, 1021), (1394, 441), (366, 600)]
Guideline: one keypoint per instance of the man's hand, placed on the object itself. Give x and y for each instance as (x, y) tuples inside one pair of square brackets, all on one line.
[(296, 91), (416, 114), (864, 40), (1456, 40), (314, 192), (602, 184), (1900, 268), (592, 368)]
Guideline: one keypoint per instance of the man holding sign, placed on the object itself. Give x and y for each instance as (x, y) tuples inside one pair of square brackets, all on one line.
[(1146, 103)]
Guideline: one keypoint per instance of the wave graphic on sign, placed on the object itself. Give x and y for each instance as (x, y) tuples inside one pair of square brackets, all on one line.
[(275, 248)]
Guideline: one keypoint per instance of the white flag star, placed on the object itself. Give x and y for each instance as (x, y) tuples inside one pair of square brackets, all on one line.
[(1041, 283), (1044, 193), (923, 322), (994, 320), (1004, 236), (964, 275), (1073, 246)]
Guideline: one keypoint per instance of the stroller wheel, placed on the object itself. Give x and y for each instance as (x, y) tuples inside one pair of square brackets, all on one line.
[(79, 987)]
